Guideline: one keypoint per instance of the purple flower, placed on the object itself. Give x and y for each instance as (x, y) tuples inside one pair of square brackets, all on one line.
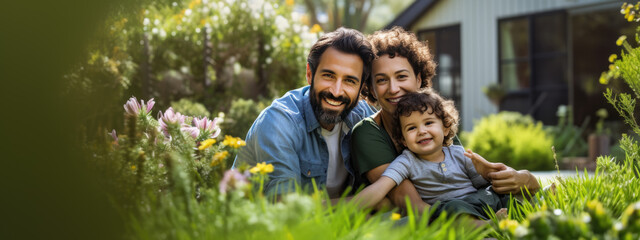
[(132, 107), (114, 136), (170, 119), (192, 131), (232, 179), (208, 127)]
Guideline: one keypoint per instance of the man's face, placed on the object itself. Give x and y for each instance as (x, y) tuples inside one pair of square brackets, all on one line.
[(335, 86)]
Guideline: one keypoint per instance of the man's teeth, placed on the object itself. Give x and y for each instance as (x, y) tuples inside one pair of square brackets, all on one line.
[(334, 103), (394, 100)]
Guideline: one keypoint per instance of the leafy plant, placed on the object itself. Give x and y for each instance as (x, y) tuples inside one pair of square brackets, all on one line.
[(190, 108), (241, 115), (567, 138), (513, 139)]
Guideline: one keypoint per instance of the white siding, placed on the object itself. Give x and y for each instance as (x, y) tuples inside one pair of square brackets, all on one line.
[(478, 20)]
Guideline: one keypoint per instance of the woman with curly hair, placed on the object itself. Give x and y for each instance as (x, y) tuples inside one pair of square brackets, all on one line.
[(403, 64)]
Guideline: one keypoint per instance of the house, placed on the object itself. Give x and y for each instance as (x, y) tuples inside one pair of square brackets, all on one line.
[(544, 53)]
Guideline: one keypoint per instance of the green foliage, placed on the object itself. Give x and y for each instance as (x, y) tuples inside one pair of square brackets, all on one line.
[(208, 51), (513, 139), (567, 138), (188, 107), (241, 115), (605, 205)]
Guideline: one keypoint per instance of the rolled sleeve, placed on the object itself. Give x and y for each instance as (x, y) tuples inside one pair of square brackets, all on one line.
[(272, 139)]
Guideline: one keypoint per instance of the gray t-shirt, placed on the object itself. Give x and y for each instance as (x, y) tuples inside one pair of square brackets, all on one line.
[(453, 178)]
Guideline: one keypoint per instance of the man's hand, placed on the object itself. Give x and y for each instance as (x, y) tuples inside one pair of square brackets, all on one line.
[(484, 167)]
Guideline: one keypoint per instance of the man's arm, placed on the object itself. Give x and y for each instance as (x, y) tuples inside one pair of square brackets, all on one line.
[(272, 139)]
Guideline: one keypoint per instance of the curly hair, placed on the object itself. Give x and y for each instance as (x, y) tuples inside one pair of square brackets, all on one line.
[(397, 41), (423, 100)]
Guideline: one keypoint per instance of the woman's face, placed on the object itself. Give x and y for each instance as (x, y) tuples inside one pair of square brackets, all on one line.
[(392, 78)]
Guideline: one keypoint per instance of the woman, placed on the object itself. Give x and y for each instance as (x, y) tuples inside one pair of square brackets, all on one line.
[(403, 64)]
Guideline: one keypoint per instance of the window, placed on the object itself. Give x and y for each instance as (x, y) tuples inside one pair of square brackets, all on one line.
[(533, 64), (444, 44)]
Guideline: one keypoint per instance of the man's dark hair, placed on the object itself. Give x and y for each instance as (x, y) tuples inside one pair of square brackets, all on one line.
[(422, 101), (345, 40)]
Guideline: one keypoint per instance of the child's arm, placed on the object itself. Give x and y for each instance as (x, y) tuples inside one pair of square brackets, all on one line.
[(375, 192)]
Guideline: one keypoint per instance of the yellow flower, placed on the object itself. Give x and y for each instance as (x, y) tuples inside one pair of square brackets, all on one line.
[(395, 216), (263, 168), (621, 40), (596, 206), (206, 144), (630, 17), (218, 157), (233, 142), (133, 167), (316, 28), (612, 57), (509, 225), (612, 67), (289, 2), (603, 80)]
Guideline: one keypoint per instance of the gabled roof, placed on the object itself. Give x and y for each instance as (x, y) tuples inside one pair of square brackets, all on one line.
[(411, 14)]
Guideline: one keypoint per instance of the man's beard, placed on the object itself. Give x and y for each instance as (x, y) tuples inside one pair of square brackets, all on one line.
[(329, 117)]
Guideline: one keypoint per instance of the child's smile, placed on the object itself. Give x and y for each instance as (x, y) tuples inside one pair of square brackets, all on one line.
[(423, 134)]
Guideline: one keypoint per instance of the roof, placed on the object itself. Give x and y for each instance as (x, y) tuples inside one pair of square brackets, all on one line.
[(411, 14)]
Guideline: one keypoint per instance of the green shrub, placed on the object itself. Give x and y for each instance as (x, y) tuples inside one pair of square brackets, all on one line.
[(187, 107), (567, 138), (512, 139), (241, 115)]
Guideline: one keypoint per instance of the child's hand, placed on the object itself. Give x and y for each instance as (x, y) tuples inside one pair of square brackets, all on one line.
[(484, 167)]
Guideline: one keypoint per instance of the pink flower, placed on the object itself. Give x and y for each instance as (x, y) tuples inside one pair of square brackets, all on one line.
[(208, 127), (170, 119), (192, 131), (232, 179), (132, 107), (114, 136)]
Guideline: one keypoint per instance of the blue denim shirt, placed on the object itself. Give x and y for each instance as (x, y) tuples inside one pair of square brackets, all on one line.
[(288, 135)]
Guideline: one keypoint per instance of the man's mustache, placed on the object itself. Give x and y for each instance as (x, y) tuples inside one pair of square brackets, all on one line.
[(328, 95)]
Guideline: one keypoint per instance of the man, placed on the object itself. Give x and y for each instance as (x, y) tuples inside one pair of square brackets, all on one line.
[(305, 134)]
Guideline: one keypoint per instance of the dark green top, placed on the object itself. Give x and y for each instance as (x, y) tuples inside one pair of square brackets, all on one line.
[(371, 147)]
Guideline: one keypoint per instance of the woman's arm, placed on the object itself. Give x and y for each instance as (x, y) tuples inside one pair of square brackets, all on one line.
[(398, 194), (512, 181), (504, 179)]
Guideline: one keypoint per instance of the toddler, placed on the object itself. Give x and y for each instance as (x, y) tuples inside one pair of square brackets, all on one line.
[(440, 171)]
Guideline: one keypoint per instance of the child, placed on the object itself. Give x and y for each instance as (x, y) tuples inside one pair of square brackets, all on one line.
[(445, 174)]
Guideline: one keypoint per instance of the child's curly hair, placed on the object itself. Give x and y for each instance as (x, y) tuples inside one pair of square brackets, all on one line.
[(423, 100), (399, 42)]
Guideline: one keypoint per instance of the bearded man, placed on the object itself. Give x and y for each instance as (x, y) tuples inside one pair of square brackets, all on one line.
[(306, 133)]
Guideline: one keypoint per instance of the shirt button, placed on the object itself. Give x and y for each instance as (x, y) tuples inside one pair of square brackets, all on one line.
[(443, 165), (309, 173), (444, 169)]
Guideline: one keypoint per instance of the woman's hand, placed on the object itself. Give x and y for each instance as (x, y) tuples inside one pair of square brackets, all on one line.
[(512, 181), (503, 178), (484, 167)]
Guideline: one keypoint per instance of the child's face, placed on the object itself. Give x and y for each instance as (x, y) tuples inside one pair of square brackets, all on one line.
[(423, 134)]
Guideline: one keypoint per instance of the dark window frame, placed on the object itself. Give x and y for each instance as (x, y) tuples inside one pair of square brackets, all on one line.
[(456, 90), (532, 56)]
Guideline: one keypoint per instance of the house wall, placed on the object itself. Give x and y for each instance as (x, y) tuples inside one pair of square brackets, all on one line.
[(478, 20)]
